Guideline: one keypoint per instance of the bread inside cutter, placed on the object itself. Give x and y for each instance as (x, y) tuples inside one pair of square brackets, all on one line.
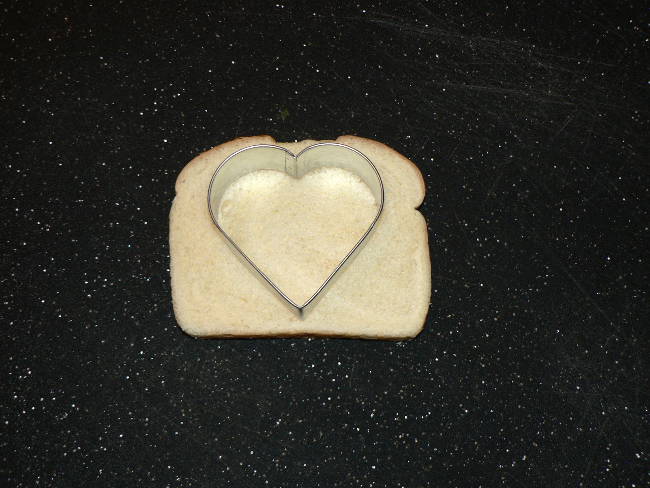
[(272, 157)]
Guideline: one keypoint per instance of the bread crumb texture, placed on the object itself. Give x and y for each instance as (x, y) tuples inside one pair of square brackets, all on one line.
[(297, 231)]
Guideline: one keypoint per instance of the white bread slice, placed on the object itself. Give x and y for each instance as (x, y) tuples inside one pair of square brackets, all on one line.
[(383, 294)]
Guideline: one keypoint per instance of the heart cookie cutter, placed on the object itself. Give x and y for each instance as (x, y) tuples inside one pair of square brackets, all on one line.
[(273, 157)]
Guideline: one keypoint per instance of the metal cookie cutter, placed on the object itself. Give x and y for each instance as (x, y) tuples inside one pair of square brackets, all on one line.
[(269, 156)]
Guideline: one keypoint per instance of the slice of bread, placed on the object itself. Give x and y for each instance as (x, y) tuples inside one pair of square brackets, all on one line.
[(297, 231)]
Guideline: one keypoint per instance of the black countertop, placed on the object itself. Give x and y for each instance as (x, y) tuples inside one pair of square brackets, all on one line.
[(529, 124)]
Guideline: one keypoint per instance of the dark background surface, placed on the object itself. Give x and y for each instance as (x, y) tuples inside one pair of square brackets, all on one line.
[(529, 125)]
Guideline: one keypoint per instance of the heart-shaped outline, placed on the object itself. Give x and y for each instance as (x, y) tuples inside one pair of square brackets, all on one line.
[(293, 166)]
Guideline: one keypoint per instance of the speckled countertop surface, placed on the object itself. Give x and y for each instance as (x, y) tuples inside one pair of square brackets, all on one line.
[(529, 125)]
